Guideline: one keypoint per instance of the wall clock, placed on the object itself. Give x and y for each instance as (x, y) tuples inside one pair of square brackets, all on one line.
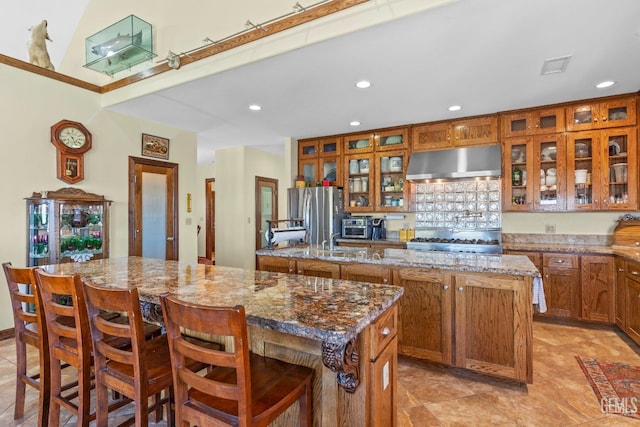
[(71, 140)]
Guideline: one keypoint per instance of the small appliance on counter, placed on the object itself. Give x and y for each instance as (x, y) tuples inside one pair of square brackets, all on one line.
[(378, 229), (357, 227)]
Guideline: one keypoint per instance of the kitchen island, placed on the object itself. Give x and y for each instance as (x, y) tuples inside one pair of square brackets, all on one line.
[(344, 330), (466, 310)]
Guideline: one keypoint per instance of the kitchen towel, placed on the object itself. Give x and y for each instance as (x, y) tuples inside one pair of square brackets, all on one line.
[(539, 303)]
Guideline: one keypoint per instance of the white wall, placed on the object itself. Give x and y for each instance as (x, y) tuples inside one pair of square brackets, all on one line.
[(235, 171), (566, 223), (30, 104)]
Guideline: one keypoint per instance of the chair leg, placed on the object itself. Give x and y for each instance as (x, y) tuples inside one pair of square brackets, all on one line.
[(84, 397), (45, 391), (21, 371), (171, 415), (54, 391), (157, 414)]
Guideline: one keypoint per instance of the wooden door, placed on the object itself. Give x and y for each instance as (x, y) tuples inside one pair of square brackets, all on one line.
[(633, 309), (153, 208), (384, 373), (366, 273), (426, 314), (561, 291), (266, 207), (318, 268), (493, 324), (598, 301), (517, 158), (210, 223), (276, 264)]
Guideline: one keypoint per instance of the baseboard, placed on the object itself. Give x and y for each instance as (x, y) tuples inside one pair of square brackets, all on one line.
[(5, 334)]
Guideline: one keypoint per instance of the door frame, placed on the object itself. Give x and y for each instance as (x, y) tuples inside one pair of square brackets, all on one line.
[(210, 221), (134, 210), (259, 179)]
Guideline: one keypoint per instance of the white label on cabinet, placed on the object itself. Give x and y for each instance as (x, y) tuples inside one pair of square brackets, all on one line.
[(385, 376)]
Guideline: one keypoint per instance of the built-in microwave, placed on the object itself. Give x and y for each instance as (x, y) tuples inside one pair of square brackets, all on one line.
[(357, 227)]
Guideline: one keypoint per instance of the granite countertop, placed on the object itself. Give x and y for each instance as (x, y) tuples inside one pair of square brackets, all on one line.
[(515, 265), (382, 242), (330, 310)]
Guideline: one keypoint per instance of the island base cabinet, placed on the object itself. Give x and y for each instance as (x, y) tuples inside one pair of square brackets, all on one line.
[(633, 309), (383, 390), (425, 314), (276, 264), (493, 325)]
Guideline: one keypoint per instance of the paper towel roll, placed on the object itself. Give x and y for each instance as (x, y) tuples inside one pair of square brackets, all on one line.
[(282, 235)]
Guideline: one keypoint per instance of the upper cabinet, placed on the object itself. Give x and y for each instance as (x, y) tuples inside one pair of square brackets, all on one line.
[(455, 133), (533, 122), (320, 159), (598, 115)]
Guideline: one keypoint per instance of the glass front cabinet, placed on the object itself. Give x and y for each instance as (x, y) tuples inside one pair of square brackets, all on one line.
[(67, 225)]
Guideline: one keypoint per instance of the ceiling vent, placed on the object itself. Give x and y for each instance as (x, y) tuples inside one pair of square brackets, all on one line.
[(555, 65)]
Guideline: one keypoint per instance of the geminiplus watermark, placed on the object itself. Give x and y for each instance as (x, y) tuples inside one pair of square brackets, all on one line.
[(619, 405)]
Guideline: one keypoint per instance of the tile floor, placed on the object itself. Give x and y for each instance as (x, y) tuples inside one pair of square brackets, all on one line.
[(432, 395)]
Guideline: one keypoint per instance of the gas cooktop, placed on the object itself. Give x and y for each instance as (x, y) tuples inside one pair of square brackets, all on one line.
[(474, 241)]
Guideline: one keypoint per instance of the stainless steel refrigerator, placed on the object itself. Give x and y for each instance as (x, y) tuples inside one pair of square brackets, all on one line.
[(320, 208)]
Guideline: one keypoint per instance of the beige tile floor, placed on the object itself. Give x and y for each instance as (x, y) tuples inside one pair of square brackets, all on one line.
[(433, 395)]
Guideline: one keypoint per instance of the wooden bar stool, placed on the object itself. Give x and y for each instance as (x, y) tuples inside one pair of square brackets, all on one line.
[(28, 331), (242, 389), (140, 372), (69, 339)]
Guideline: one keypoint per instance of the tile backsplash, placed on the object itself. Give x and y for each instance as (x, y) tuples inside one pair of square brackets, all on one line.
[(466, 205)]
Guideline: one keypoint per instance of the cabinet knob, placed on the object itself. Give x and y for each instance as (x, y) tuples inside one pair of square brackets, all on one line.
[(291, 270), (299, 271), (546, 275), (559, 261), (604, 119), (595, 119), (635, 273), (460, 289), (445, 287), (386, 331), (621, 269), (385, 280)]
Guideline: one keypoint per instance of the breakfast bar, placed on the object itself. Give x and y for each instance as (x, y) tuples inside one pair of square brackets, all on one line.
[(342, 329)]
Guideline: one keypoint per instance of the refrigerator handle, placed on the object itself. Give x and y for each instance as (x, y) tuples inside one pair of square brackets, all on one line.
[(306, 209)]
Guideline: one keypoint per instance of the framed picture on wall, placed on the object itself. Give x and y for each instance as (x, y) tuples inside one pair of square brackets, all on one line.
[(155, 146)]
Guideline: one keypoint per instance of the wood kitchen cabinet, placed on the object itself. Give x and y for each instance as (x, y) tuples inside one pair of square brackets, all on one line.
[(375, 167), (384, 368), (488, 311), (317, 268), (366, 273), (600, 114), (320, 159), (426, 314), (535, 178), (533, 122), (621, 294), (632, 291), (561, 281), (598, 288), (609, 160), (276, 264), (456, 133)]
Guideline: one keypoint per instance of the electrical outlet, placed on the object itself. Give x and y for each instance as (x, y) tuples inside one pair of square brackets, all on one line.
[(550, 228)]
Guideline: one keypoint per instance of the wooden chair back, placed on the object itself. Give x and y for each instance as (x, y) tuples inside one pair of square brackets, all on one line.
[(29, 330), (241, 388), (222, 321)]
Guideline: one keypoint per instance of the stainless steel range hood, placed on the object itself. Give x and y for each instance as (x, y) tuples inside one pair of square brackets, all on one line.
[(468, 162)]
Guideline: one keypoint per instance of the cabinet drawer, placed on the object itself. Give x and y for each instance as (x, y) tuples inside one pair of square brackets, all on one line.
[(632, 270), (383, 331), (560, 260)]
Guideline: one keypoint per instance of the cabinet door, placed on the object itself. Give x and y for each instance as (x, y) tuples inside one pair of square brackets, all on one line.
[(276, 264), (41, 222), (308, 149), (548, 175), (425, 314), (395, 139), (384, 374), (618, 112), (493, 325), (366, 273), (633, 309), (598, 302), (309, 168), (330, 168), (391, 192), (318, 268), (479, 131), (431, 136), (621, 295), (355, 144), (359, 183), (519, 174), (619, 169), (582, 116), (550, 120), (330, 146), (585, 183), (562, 291), (516, 124)]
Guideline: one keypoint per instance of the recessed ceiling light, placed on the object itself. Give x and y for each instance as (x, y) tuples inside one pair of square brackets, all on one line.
[(606, 83), (363, 84), (355, 123), (255, 107), (455, 108)]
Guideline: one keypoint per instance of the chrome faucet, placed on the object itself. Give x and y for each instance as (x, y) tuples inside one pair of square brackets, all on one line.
[(323, 243), (331, 239)]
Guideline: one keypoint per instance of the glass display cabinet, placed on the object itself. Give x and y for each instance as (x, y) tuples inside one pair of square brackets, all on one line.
[(66, 225)]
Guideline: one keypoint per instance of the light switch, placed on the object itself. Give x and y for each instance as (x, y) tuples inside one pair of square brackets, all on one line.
[(187, 221)]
